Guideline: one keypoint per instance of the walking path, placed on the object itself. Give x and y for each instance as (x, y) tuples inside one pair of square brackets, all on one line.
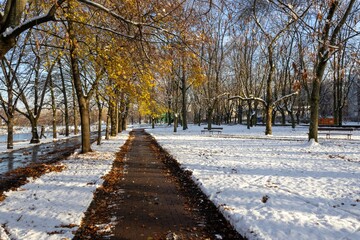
[(141, 199)]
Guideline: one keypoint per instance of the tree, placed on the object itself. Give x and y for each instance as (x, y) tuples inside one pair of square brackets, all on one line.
[(329, 27), (36, 85), (63, 89), (9, 102), (272, 39), (212, 54)]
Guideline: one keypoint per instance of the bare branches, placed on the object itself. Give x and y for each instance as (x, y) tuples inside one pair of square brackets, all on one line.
[(253, 98), (248, 99)]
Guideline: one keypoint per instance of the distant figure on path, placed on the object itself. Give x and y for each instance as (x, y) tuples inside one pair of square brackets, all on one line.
[(42, 134)]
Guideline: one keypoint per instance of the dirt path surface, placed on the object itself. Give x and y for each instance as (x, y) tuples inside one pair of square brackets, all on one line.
[(147, 196)]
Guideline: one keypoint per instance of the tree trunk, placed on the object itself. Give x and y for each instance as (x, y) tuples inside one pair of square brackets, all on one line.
[(169, 112), (283, 117), (248, 116), (113, 118), (74, 108), (53, 108), (63, 90), (85, 126), (100, 108), (314, 109), (199, 118), (34, 132), (10, 118), (184, 104), (125, 115), (10, 131), (269, 96), (293, 120), (209, 118), (82, 100), (119, 123), (107, 130), (99, 125), (175, 122), (322, 59), (240, 112)]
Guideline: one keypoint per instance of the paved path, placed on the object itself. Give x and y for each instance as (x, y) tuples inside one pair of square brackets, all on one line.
[(141, 198), (152, 202)]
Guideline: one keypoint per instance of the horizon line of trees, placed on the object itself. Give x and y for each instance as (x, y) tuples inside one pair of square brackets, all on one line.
[(164, 57)]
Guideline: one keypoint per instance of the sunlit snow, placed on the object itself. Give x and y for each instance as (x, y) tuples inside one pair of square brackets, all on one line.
[(275, 187), (52, 206), (268, 187)]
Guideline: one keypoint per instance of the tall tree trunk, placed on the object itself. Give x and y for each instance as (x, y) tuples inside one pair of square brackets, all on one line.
[(74, 108), (113, 118), (199, 118), (82, 100), (99, 124), (269, 97), (100, 108), (121, 113), (107, 130), (240, 112), (314, 109), (119, 122), (63, 90), (10, 119), (209, 117), (125, 115), (184, 102), (176, 117), (85, 126), (169, 112), (53, 108), (248, 115)]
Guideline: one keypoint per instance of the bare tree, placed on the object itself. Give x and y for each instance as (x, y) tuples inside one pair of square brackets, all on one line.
[(329, 28)]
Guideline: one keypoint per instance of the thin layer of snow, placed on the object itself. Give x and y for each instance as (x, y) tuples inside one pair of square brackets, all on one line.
[(274, 187), (52, 206)]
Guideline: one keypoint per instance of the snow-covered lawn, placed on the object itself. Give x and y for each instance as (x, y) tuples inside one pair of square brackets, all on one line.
[(269, 187), (275, 187), (52, 206)]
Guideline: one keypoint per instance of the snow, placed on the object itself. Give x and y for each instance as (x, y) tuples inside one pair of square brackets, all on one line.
[(269, 187), (52, 206), (274, 187)]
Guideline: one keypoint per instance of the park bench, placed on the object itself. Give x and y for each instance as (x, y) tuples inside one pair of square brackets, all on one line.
[(328, 131), (212, 130)]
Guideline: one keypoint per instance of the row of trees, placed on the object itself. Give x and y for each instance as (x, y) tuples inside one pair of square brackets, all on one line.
[(278, 56), (169, 56)]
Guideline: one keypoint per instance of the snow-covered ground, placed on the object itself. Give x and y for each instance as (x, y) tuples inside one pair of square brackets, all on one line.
[(269, 187), (52, 206), (275, 187)]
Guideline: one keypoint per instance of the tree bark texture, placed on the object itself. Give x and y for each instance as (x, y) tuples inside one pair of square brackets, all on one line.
[(82, 100)]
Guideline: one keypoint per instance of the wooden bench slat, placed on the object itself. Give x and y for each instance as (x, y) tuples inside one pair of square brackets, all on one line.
[(212, 130), (335, 131)]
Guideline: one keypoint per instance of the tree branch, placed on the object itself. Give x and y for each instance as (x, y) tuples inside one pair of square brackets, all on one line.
[(50, 16), (248, 99)]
